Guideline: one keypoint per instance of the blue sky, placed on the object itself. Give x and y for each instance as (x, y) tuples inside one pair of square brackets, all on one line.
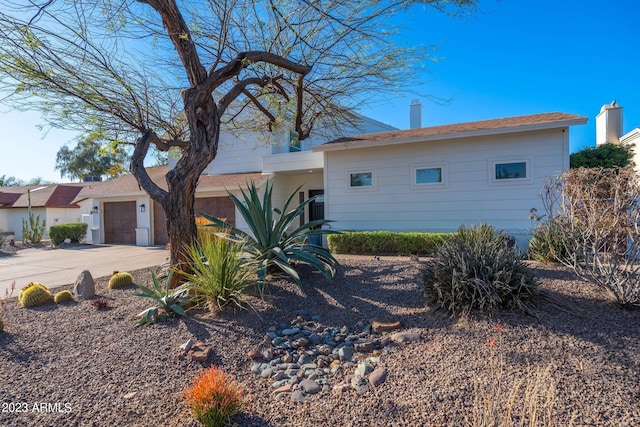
[(510, 58)]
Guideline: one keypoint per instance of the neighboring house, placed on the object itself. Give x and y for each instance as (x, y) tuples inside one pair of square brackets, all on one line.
[(367, 176), (54, 203), (609, 130)]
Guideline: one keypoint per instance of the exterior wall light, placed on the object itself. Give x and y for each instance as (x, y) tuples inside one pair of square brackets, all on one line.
[(142, 207), (94, 210)]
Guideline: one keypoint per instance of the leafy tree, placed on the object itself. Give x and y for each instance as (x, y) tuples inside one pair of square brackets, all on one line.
[(10, 181), (169, 74), (90, 159), (607, 155)]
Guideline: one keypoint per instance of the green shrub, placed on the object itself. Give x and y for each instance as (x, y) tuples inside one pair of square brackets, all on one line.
[(74, 231), (386, 242), (478, 270), (547, 244), (220, 273)]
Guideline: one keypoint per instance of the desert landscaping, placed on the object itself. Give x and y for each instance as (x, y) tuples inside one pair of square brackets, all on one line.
[(575, 361)]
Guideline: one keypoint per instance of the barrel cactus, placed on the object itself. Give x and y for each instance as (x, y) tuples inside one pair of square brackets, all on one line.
[(63, 296), (120, 279), (34, 294)]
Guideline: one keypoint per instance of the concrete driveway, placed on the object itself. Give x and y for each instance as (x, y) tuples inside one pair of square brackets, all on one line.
[(57, 267)]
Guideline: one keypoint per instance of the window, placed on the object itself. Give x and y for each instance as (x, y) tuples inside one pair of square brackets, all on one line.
[(428, 175), (515, 170), (510, 171), (294, 142), (360, 179)]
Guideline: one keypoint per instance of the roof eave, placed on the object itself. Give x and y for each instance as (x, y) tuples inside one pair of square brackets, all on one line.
[(454, 135)]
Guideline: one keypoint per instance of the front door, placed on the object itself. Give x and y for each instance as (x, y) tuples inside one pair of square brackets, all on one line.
[(316, 207)]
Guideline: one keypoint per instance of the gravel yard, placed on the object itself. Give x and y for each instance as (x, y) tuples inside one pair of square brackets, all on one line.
[(74, 365)]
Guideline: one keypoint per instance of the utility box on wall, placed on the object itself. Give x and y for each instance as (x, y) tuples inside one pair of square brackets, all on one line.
[(142, 237)]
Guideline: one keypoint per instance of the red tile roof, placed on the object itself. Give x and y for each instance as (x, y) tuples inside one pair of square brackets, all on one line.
[(46, 195), (484, 127)]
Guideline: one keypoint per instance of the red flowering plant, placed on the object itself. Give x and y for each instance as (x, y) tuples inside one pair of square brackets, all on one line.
[(213, 397)]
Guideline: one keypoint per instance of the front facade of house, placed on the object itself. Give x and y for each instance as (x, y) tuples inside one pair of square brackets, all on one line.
[(438, 178), (371, 178)]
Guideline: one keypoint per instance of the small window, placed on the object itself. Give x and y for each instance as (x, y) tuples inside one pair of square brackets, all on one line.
[(515, 170), (428, 175), (294, 142), (361, 179)]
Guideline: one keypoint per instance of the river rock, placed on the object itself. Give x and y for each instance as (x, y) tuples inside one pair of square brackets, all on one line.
[(406, 337), (310, 386), (378, 376), (385, 325)]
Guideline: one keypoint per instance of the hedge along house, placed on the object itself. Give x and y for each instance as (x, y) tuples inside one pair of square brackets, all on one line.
[(438, 178)]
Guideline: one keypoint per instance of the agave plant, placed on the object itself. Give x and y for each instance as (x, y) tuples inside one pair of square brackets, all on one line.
[(274, 240), (168, 300)]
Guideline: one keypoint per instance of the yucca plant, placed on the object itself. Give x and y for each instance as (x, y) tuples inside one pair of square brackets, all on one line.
[(274, 239), (478, 270), (219, 271)]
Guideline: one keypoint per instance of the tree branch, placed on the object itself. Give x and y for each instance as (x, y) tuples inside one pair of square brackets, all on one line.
[(139, 171), (180, 36)]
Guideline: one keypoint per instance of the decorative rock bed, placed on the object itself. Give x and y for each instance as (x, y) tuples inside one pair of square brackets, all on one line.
[(304, 357)]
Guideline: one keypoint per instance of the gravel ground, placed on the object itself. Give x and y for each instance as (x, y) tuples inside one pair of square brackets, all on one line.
[(93, 368)]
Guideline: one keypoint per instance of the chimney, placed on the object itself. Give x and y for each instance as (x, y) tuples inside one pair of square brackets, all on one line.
[(609, 124), (415, 114)]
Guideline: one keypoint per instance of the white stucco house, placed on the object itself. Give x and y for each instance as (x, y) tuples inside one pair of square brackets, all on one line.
[(367, 176), (437, 178)]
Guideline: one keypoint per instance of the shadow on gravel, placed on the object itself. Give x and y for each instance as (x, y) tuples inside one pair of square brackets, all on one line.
[(362, 293), (251, 420), (14, 351)]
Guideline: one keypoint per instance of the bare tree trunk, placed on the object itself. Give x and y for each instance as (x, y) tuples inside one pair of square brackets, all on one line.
[(178, 201), (204, 124)]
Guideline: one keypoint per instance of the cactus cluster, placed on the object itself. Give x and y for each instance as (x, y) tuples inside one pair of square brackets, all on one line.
[(34, 294), (120, 279), (63, 296)]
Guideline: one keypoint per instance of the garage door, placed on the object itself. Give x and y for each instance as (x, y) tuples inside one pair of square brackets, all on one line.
[(120, 222), (159, 225), (220, 207)]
